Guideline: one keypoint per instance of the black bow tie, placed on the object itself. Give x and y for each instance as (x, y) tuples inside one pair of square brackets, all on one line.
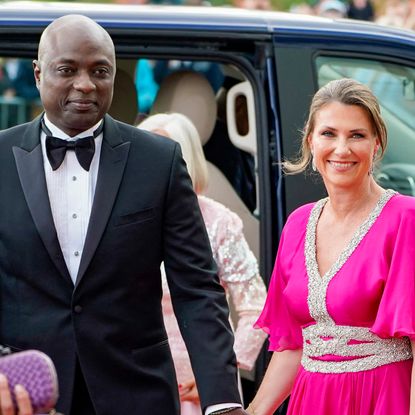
[(84, 148)]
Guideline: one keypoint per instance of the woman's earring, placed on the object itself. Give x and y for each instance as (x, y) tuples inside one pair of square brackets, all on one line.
[(313, 163), (372, 166)]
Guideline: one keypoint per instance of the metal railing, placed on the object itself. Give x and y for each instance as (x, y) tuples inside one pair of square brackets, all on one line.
[(15, 107), (15, 110)]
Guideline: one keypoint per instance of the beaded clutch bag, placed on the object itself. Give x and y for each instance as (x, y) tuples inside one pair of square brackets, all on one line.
[(35, 371)]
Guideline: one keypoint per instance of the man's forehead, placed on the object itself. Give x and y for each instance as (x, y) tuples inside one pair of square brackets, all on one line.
[(76, 33), (74, 30), (59, 45), (75, 22), (89, 60)]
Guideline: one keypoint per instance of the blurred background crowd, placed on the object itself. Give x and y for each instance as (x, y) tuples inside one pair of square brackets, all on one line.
[(388, 12)]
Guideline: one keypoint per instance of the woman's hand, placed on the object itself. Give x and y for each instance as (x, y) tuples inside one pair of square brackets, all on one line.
[(277, 382), (412, 398), (6, 402), (188, 391)]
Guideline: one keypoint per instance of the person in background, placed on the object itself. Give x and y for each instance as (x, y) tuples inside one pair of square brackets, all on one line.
[(361, 10), (252, 4), (6, 87), (340, 306), (396, 13), (237, 266), (333, 9), (20, 72), (302, 8), (21, 76), (146, 86)]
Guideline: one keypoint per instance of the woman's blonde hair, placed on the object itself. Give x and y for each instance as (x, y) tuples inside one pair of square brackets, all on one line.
[(180, 129), (348, 92)]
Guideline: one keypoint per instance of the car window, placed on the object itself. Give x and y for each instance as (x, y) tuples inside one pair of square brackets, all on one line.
[(394, 86), (19, 97)]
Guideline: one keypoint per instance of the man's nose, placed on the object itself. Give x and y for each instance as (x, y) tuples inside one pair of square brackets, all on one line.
[(84, 83)]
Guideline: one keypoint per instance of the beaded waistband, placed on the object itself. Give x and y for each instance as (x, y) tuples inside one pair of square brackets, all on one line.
[(367, 350)]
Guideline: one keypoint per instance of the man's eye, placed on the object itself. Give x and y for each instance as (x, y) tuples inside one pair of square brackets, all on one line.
[(102, 71), (66, 70)]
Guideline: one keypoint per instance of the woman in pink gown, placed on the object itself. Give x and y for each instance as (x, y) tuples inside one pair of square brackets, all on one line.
[(237, 265), (340, 309)]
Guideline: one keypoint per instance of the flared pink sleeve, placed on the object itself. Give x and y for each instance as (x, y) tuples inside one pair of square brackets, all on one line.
[(396, 312), (276, 319)]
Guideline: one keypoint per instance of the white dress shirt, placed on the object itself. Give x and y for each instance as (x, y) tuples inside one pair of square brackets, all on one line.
[(71, 191)]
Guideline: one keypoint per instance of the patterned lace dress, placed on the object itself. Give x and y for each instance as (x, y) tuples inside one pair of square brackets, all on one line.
[(238, 273), (354, 323)]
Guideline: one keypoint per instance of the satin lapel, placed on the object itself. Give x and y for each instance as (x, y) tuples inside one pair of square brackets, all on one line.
[(114, 155), (29, 162)]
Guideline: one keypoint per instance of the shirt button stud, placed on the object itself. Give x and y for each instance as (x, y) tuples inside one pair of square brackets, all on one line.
[(74, 178), (76, 253), (74, 215)]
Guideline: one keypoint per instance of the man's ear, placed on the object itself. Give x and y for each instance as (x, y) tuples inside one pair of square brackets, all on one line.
[(36, 72)]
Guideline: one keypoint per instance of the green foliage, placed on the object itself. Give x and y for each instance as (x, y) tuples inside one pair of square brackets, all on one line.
[(284, 5), (221, 2)]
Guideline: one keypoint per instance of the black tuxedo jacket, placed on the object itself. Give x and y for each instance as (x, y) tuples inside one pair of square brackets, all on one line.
[(144, 212)]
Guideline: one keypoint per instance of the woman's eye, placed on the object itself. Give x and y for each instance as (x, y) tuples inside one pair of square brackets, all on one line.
[(327, 133), (358, 135)]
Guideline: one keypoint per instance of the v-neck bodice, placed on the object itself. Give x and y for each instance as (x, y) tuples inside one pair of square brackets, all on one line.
[(317, 284)]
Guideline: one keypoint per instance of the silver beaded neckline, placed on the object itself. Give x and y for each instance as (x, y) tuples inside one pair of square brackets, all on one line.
[(317, 285)]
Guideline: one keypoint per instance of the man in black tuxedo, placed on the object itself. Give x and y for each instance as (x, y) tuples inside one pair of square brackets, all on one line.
[(89, 209)]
